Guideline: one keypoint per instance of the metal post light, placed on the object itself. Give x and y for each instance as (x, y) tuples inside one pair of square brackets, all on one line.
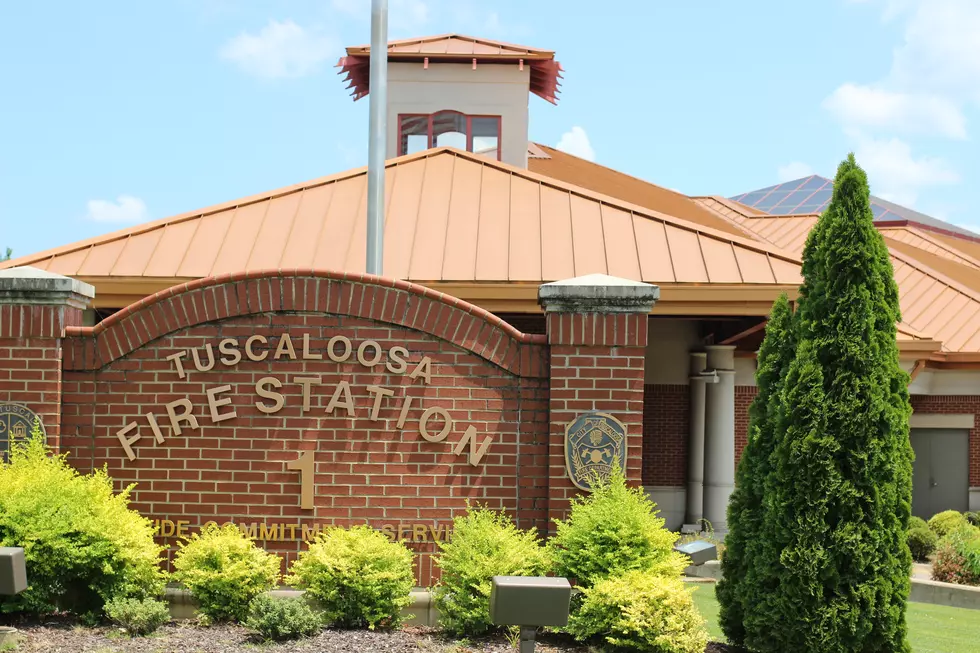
[(529, 602), (377, 135)]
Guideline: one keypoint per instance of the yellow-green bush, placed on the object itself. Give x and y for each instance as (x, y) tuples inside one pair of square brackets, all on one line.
[(138, 616), (83, 545), (642, 612), (485, 544), (358, 576), (278, 620), (943, 523), (224, 571), (613, 530)]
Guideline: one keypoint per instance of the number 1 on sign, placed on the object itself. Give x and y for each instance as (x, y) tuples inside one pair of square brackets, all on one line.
[(304, 464)]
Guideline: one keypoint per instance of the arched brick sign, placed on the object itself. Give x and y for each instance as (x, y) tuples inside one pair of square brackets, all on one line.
[(289, 400)]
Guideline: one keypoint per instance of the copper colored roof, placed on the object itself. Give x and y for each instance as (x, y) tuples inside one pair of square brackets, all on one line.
[(451, 216), (578, 171), (931, 243), (967, 246), (939, 297), (456, 48), (728, 208)]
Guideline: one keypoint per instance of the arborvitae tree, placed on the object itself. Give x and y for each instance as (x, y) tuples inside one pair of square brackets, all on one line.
[(736, 591), (838, 499)]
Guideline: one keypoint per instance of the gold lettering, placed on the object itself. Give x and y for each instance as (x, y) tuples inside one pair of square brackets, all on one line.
[(292, 531), (167, 528), (436, 533), (418, 533), (157, 433), (278, 399), (266, 533), (214, 403), (127, 443), (423, 369), (348, 402), (197, 359), (306, 382), (347, 349), (185, 416), (307, 354), (252, 356), (406, 405), (304, 465), (389, 531), (182, 528), (476, 455), (229, 347), (175, 359), (447, 424), (285, 347), (396, 360), (309, 532), (208, 523), (402, 531), (249, 530), (363, 347), (379, 394)]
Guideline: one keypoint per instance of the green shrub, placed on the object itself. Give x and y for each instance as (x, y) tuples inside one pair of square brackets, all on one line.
[(138, 616), (947, 521), (958, 557), (973, 518), (922, 542), (82, 544), (281, 619), (358, 576), (917, 522), (224, 571), (613, 530), (485, 544), (641, 612)]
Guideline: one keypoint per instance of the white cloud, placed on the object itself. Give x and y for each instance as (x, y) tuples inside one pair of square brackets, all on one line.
[(867, 106), (941, 50), (576, 142), (793, 170), (126, 208), (280, 50), (895, 174)]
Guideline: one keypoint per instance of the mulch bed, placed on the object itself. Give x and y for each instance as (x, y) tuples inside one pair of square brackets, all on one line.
[(63, 637)]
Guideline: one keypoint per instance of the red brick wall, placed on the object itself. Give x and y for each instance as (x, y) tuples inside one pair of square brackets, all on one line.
[(597, 363), (666, 430), (30, 359), (744, 394), (955, 405), (484, 373)]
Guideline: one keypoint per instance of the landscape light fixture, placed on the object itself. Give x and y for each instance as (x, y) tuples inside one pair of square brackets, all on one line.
[(529, 602)]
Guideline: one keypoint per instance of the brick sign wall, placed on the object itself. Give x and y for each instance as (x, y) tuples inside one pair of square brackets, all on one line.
[(285, 403)]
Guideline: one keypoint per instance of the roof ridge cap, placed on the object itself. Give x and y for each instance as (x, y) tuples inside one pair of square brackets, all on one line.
[(908, 259)]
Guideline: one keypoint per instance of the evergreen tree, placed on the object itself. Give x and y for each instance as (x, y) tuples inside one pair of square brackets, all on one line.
[(6, 257), (838, 499), (737, 592)]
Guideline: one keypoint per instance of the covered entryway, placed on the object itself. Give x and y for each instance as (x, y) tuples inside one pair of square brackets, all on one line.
[(940, 475)]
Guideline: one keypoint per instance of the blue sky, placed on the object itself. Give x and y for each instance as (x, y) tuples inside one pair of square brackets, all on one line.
[(115, 112)]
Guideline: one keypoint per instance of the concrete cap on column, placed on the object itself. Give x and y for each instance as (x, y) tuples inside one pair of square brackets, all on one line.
[(28, 286), (598, 293)]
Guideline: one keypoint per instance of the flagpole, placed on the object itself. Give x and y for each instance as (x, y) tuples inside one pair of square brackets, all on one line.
[(377, 135)]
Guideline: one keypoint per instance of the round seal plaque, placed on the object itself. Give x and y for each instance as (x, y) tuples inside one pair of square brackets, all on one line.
[(16, 422)]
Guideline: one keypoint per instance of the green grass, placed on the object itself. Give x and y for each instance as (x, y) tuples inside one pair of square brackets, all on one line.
[(932, 628)]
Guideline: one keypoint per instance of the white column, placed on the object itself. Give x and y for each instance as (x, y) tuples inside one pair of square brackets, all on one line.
[(695, 446), (719, 436)]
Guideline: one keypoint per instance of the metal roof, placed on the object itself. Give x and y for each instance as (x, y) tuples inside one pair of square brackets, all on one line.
[(812, 195), (939, 287), (451, 216), (456, 48)]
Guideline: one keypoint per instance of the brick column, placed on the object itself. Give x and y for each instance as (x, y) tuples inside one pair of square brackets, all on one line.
[(35, 308), (597, 332)]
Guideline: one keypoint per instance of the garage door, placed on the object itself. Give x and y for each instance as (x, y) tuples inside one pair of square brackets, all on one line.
[(941, 473)]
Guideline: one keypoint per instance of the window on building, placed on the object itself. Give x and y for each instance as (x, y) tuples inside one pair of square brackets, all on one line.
[(478, 134)]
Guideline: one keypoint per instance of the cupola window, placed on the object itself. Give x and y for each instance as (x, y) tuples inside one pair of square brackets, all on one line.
[(477, 134)]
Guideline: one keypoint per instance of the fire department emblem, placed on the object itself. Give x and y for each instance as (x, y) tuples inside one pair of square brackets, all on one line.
[(16, 421), (593, 443)]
